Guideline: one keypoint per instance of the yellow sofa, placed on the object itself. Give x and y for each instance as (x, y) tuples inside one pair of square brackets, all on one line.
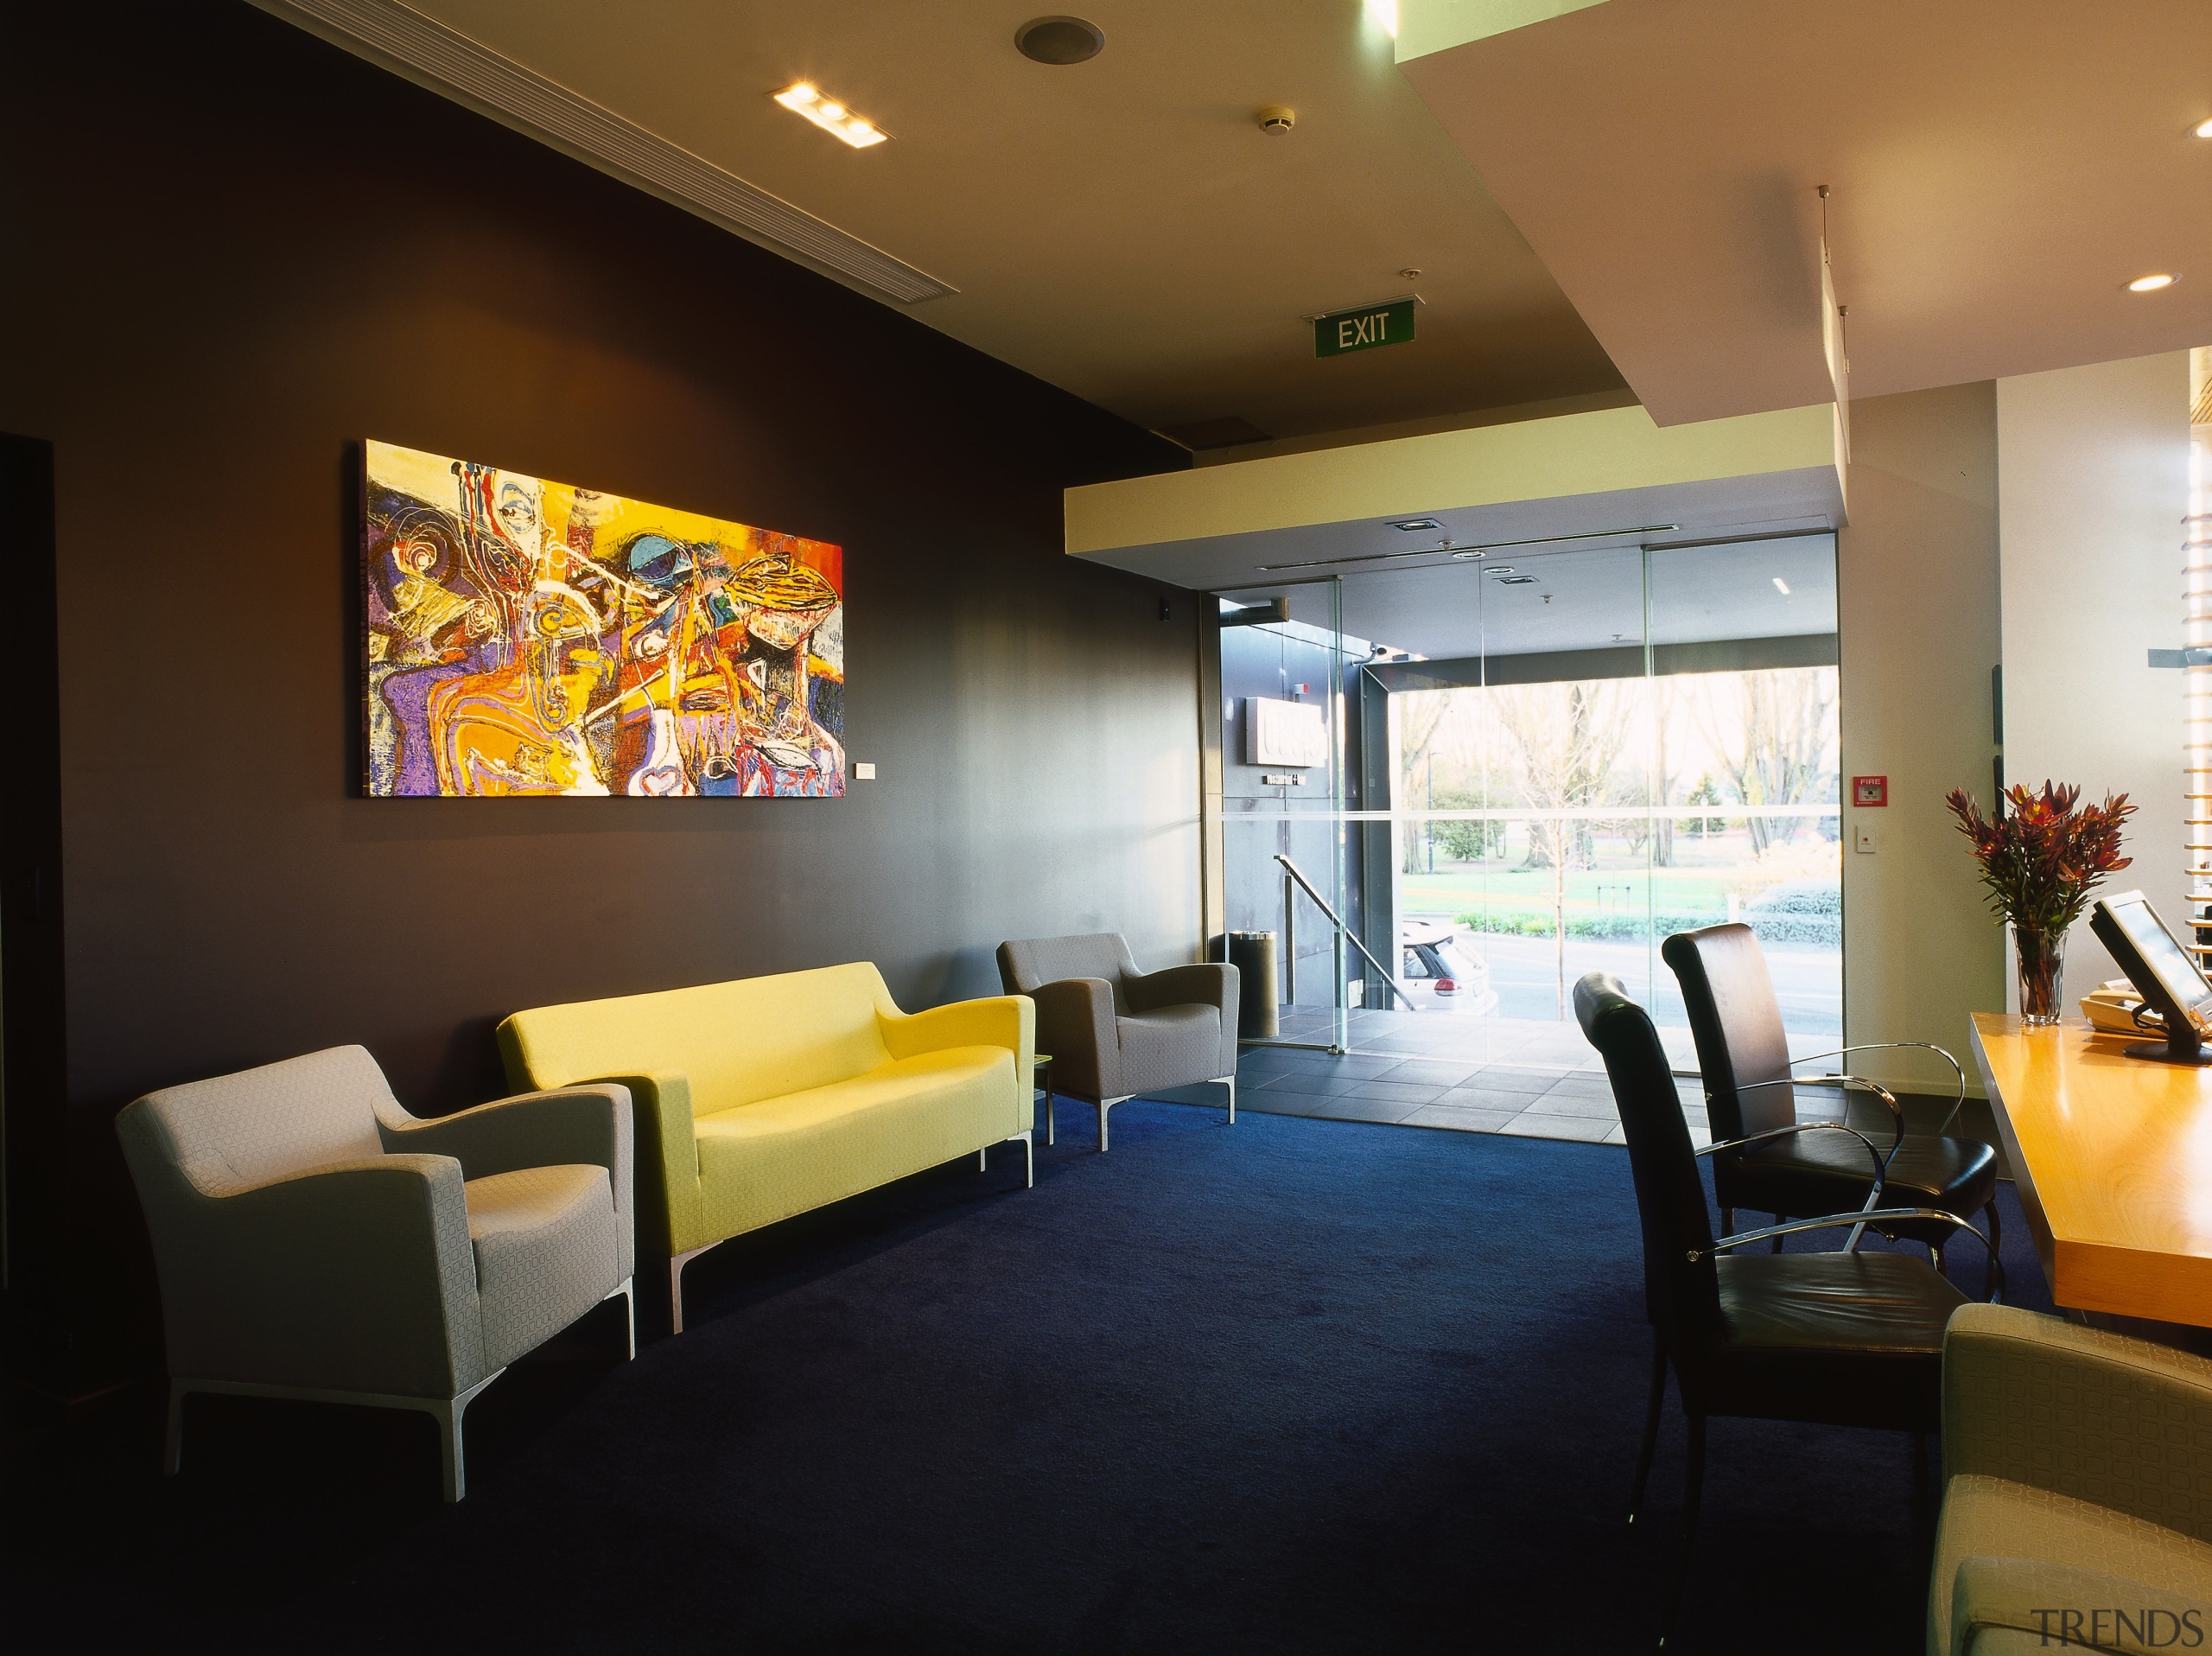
[(763, 1098)]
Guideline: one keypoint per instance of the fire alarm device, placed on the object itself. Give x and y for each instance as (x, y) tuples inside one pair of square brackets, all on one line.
[(1870, 790)]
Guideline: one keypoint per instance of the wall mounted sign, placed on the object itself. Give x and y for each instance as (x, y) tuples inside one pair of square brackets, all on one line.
[(1870, 790), (527, 637), (1345, 331)]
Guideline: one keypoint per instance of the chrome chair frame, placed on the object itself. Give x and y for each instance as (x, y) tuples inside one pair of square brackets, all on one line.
[(1896, 1116)]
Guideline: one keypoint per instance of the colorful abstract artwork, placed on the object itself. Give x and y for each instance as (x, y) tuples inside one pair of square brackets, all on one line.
[(532, 637)]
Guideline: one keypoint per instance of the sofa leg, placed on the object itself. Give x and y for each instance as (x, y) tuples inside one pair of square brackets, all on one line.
[(984, 1160), (675, 1286)]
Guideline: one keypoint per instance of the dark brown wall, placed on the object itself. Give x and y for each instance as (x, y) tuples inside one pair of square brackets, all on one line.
[(233, 253)]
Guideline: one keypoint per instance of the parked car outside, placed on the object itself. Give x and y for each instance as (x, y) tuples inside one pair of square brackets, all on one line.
[(1441, 972)]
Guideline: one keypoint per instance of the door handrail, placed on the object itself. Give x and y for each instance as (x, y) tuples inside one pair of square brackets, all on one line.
[(1343, 930)]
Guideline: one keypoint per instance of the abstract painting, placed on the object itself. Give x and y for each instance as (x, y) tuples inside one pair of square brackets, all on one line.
[(532, 637)]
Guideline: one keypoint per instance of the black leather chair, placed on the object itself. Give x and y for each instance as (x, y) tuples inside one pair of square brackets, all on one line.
[(1744, 1059), (1844, 1339)]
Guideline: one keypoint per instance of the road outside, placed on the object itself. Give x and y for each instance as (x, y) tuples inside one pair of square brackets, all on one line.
[(1524, 971)]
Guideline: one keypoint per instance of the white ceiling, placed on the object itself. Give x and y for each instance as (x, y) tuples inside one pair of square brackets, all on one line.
[(1581, 600), (1122, 228), (1999, 170)]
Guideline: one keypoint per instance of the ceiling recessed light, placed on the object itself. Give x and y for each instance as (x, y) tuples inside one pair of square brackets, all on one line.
[(1059, 39), (1417, 523), (1518, 581), (1781, 586), (1385, 14), (831, 115), (2203, 128), (2151, 283)]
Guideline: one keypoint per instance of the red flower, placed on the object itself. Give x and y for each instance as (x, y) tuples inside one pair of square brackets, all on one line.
[(2042, 860)]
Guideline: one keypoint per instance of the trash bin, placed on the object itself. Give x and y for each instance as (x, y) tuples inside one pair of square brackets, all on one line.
[(1258, 993)]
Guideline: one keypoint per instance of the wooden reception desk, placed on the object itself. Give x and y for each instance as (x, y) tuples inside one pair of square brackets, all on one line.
[(2113, 1160)]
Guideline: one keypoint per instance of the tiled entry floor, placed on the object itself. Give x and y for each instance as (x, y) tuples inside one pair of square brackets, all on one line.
[(1498, 1097), (1481, 1075)]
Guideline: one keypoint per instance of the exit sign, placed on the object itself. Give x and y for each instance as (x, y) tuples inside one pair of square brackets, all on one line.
[(1362, 330)]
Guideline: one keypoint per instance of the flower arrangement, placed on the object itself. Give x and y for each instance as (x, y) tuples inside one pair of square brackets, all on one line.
[(2040, 861)]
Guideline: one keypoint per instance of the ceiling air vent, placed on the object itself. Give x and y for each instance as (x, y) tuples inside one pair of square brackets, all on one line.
[(451, 64), (1059, 39)]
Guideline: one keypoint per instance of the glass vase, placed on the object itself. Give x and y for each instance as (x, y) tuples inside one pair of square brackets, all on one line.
[(2042, 971)]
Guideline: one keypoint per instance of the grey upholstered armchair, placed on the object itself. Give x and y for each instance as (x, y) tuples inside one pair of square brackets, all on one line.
[(2077, 1468), (1114, 1031), (314, 1240)]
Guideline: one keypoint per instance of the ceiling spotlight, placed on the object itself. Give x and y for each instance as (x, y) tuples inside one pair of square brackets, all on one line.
[(2151, 283), (2202, 130), (830, 114), (1059, 39), (1501, 569), (1417, 523), (1385, 14), (1781, 586)]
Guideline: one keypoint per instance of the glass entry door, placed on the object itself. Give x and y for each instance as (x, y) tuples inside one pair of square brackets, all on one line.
[(1530, 767)]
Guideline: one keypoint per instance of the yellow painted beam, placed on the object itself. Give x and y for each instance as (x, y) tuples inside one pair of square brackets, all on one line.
[(1427, 26)]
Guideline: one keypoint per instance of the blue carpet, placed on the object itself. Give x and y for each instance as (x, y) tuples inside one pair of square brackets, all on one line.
[(1294, 1385)]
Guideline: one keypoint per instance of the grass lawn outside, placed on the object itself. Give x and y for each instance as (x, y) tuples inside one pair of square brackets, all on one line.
[(1704, 875)]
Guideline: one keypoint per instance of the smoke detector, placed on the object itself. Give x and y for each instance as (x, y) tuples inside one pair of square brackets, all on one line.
[(1276, 118)]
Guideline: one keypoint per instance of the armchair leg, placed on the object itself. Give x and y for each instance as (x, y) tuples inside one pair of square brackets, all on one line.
[(1779, 1218), (629, 1317), (1996, 1224), (449, 1456), (1651, 1414), (1692, 1497), (1230, 1081), (1104, 1104), (173, 1438), (447, 1411)]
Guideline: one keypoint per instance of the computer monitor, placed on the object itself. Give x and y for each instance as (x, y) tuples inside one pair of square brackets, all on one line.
[(2162, 972)]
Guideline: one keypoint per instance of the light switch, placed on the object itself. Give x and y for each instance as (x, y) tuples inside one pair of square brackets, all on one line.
[(1863, 842), (866, 773)]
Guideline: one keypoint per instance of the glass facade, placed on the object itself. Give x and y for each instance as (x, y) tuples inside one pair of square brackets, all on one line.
[(1531, 768)]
